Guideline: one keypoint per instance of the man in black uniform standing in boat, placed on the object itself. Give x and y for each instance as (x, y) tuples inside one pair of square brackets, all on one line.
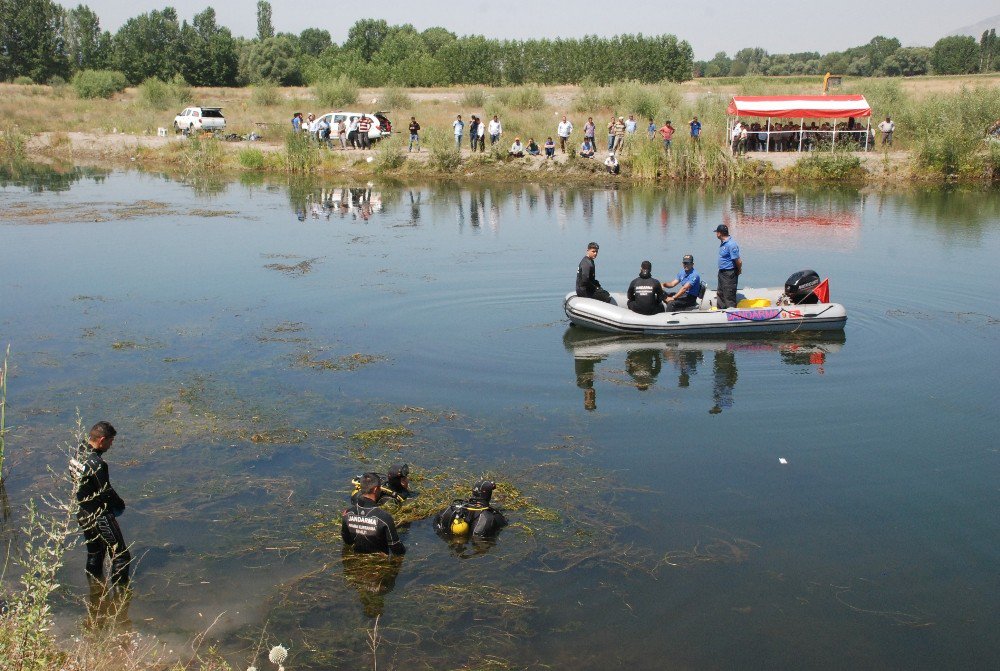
[(368, 528), (645, 294), (586, 284)]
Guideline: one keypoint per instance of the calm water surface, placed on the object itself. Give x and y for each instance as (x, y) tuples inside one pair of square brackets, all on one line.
[(216, 325)]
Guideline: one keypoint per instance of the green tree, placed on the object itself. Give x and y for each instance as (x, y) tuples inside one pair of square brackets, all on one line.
[(879, 49), (275, 59), (989, 51), (265, 28), (31, 40), (366, 37), (87, 47), (149, 45), (313, 41), (955, 55), (436, 37), (209, 56)]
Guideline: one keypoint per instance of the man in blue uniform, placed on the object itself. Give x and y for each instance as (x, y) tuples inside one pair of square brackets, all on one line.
[(730, 267), (645, 293), (100, 507), (366, 527), (689, 281), (586, 283)]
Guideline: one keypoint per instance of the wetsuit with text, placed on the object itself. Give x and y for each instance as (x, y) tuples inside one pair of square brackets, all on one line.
[(367, 528)]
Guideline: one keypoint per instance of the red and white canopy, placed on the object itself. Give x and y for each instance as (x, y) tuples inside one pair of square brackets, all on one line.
[(799, 107)]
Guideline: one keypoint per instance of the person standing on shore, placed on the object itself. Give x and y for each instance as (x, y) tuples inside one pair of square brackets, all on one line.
[(887, 127), (730, 268), (474, 125), (586, 282), (364, 126), (651, 129), (414, 134), (459, 127), (342, 133), (695, 130), (631, 124), (619, 129), (611, 134), (564, 130), (100, 507), (481, 137), (589, 131), (495, 130), (667, 133)]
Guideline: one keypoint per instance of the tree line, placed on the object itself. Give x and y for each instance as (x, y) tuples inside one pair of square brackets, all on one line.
[(42, 41), (881, 57)]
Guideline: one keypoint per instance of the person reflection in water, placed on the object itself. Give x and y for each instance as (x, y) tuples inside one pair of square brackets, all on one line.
[(373, 575), (686, 362), (643, 366), (725, 375), (585, 380)]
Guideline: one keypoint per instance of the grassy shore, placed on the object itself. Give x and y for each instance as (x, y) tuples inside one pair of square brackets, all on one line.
[(941, 122)]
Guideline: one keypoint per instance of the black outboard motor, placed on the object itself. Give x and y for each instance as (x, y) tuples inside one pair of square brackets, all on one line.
[(799, 285)]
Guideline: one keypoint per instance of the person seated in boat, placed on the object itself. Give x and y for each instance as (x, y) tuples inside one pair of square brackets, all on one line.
[(367, 528), (587, 285), (473, 516), (689, 281), (645, 293)]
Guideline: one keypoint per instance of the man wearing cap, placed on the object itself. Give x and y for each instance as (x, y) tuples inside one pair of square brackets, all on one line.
[(645, 293), (367, 528), (689, 280), (730, 267), (474, 515), (586, 284)]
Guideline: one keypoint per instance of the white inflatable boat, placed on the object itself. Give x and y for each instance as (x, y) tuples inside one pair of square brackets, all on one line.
[(759, 311)]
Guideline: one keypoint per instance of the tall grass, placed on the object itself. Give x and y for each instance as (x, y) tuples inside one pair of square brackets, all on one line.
[(301, 153), (829, 166), (389, 155), (528, 97), (474, 98), (339, 92), (443, 157), (13, 144)]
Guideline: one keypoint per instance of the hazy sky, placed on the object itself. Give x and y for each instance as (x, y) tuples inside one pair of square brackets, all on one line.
[(779, 26)]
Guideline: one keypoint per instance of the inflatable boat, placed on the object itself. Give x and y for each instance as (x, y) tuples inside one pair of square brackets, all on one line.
[(773, 310)]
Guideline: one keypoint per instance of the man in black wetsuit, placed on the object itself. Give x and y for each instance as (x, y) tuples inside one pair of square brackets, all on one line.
[(474, 515), (100, 507), (398, 483), (586, 284), (368, 528), (645, 294)]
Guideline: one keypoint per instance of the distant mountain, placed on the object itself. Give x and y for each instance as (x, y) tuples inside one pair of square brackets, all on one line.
[(977, 29)]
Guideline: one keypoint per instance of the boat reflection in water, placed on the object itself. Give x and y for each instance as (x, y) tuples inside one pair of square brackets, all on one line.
[(642, 359)]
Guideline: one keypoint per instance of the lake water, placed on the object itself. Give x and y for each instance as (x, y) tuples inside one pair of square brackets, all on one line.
[(241, 339)]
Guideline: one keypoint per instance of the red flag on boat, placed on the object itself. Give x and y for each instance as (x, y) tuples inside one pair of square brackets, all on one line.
[(822, 291)]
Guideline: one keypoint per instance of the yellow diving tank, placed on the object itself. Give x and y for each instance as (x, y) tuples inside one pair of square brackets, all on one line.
[(459, 526)]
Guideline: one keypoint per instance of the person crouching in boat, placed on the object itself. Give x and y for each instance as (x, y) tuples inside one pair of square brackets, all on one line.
[(587, 285), (645, 293), (689, 280)]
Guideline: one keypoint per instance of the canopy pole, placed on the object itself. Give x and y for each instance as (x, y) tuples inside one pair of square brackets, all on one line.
[(802, 125), (868, 133), (833, 145), (767, 145)]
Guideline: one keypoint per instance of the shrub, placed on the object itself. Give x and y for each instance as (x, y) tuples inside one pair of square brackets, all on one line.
[(395, 99), (444, 157), (829, 166), (180, 90), (339, 92), (389, 155), (265, 94), (251, 159), (301, 154), (23, 80), (57, 82), (474, 98), (98, 83), (528, 97), (155, 93), (13, 144)]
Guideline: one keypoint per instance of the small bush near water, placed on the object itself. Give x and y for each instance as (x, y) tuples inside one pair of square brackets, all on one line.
[(251, 159), (301, 153), (99, 83), (339, 92), (389, 155), (13, 144), (822, 165)]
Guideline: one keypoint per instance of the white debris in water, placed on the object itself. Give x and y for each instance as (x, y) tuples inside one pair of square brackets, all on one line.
[(782, 460)]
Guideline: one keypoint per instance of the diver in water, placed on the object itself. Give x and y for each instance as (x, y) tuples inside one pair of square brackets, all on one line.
[(367, 528), (473, 516), (395, 488)]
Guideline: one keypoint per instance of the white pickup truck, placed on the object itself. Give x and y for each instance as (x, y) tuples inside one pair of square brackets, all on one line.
[(200, 118)]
